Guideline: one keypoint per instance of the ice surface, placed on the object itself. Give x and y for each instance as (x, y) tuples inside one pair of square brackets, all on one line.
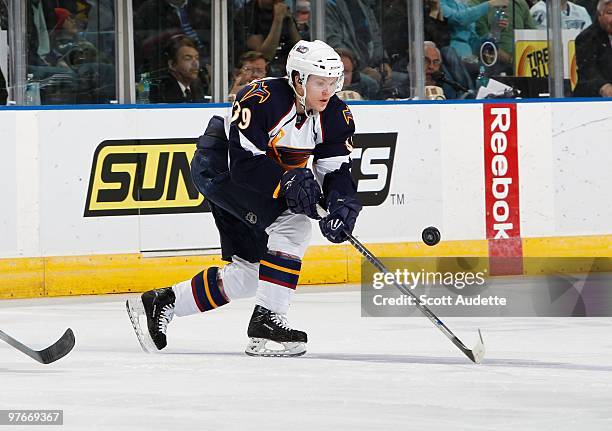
[(359, 373)]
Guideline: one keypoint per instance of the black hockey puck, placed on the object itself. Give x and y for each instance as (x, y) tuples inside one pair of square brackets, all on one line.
[(431, 236)]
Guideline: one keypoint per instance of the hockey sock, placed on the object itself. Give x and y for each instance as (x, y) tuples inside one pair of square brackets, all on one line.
[(199, 294), (239, 278), (278, 278)]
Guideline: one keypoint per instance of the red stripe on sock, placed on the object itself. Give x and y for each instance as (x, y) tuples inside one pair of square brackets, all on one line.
[(195, 295), (281, 283)]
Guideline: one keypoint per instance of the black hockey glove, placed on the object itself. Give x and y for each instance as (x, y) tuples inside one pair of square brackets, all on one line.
[(301, 191), (343, 212)]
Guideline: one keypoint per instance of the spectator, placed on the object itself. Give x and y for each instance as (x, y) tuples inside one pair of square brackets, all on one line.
[(436, 25), (63, 37), (67, 48), (39, 44), (394, 22), (572, 15), (437, 30), (461, 18), (594, 55), (81, 14), (266, 26), (78, 75), (252, 66), (66, 65), (302, 18), (49, 9), (437, 74), (351, 24), (395, 19), (156, 21), (519, 18), (590, 6), (353, 80), (181, 83)]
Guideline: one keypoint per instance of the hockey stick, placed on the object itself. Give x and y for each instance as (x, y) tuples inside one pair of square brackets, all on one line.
[(56, 351), (475, 355)]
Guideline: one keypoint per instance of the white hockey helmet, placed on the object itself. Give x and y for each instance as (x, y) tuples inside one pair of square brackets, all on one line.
[(314, 58)]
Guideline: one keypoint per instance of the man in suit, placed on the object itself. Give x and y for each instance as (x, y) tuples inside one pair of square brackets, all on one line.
[(181, 84), (594, 55)]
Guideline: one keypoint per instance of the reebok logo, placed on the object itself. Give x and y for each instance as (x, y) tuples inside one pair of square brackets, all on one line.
[(501, 173), (502, 201)]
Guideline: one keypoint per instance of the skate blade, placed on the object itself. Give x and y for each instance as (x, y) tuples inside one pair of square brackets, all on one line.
[(257, 347), (135, 311)]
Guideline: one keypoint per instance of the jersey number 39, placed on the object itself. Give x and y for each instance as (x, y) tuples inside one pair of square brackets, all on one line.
[(243, 113)]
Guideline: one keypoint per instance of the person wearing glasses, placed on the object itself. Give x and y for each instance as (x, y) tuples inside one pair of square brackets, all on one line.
[(252, 66)]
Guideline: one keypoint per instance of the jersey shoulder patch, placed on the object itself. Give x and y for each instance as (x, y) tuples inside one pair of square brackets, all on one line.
[(347, 114), (266, 91), (337, 107), (258, 90)]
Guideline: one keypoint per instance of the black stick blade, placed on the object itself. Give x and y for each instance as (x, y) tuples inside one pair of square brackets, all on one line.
[(59, 349), (56, 351)]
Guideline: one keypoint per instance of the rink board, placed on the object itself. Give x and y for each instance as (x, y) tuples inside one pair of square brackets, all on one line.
[(417, 165)]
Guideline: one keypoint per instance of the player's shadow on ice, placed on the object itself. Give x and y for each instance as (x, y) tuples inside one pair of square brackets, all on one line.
[(41, 371), (412, 359), (438, 360)]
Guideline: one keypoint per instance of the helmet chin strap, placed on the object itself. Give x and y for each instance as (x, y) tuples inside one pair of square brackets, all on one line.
[(302, 99)]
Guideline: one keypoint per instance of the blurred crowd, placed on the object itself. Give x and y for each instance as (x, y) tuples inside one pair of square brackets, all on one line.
[(71, 46)]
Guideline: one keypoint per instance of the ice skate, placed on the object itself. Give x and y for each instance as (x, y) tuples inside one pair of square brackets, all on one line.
[(154, 308), (268, 327)]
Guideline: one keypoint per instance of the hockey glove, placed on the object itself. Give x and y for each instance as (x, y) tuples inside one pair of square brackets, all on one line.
[(301, 191), (343, 212)]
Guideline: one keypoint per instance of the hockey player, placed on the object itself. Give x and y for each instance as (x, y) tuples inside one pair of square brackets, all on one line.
[(263, 202)]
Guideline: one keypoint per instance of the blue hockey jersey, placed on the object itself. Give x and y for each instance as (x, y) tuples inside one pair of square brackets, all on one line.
[(268, 137)]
